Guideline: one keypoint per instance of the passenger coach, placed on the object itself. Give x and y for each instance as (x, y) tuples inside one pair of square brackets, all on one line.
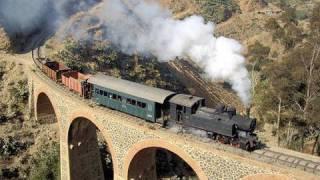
[(136, 99)]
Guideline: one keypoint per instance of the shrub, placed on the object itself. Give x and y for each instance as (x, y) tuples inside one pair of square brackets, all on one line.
[(46, 163), (217, 10), (14, 90)]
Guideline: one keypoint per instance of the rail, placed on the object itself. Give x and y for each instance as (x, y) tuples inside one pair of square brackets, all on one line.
[(279, 158)]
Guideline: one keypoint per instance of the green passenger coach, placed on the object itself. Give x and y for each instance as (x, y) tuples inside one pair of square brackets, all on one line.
[(142, 101)]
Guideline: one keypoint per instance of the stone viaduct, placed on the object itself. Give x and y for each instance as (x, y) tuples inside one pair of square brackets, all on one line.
[(131, 142)]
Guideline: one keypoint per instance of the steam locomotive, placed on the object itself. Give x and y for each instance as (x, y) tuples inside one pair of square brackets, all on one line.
[(157, 105)]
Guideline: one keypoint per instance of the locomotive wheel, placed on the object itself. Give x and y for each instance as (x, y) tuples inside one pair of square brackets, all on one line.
[(235, 143), (223, 139), (248, 148), (226, 140), (220, 139), (212, 135)]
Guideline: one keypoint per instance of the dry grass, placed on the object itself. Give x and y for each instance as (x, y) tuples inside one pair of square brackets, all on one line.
[(4, 40)]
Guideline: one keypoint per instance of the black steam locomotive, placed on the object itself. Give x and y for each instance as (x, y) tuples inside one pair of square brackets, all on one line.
[(159, 106), (222, 123)]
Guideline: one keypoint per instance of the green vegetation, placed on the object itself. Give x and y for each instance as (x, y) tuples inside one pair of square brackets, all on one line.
[(217, 10), (289, 35), (46, 164)]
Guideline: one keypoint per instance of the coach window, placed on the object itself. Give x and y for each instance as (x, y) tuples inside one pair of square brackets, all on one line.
[(101, 92), (139, 104), (144, 105), (128, 101), (119, 98), (105, 93), (133, 102), (114, 96), (97, 91)]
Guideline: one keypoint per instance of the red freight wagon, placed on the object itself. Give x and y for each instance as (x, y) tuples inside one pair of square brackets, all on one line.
[(54, 70), (74, 80)]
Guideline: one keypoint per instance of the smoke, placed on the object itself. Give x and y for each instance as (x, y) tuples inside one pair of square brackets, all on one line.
[(138, 26), (30, 22), (27, 15), (145, 27), (24, 18)]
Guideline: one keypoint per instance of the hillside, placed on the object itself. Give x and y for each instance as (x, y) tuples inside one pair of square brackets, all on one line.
[(22, 139)]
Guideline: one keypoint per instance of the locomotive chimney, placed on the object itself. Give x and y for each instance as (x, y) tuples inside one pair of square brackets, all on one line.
[(248, 109)]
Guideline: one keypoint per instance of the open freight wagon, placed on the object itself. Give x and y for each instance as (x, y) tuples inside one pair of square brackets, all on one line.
[(74, 81), (54, 70)]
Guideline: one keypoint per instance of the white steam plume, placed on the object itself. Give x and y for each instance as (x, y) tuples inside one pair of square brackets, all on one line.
[(147, 28)]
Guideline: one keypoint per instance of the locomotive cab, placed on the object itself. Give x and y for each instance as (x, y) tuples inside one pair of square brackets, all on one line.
[(182, 106)]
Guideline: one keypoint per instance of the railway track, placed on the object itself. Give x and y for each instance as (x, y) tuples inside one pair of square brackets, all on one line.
[(280, 158)]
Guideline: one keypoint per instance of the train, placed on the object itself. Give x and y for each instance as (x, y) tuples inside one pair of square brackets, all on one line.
[(157, 105)]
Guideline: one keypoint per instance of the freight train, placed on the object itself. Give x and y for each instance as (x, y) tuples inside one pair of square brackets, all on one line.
[(157, 105)]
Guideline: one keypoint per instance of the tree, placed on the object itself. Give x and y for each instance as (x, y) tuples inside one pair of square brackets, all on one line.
[(280, 89), (293, 36), (258, 58), (46, 163), (272, 24), (289, 15), (305, 63), (274, 94), (315, 20)]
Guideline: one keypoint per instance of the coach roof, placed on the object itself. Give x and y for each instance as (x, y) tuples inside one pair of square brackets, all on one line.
[(131, 88)]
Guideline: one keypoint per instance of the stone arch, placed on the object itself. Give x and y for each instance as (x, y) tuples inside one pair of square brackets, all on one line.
[(147, 148), (86, 151), (45, 111)]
